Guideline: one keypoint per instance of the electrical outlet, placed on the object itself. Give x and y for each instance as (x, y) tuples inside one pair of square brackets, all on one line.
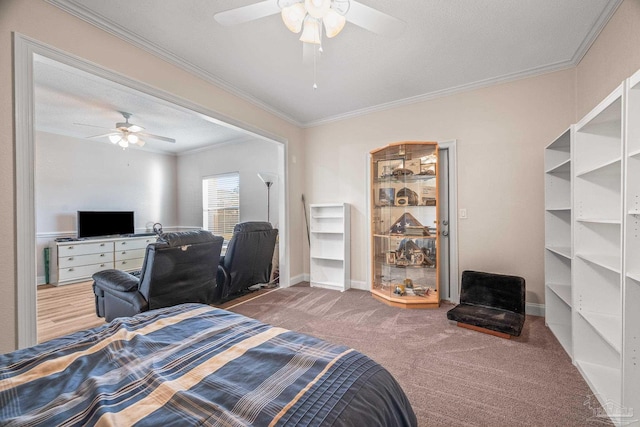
[(463, 214)]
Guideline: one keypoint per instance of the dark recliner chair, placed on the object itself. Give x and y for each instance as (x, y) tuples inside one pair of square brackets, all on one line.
[(247, 261), (180, 267)]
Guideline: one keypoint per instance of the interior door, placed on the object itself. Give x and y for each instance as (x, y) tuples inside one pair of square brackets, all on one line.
[(446, 291)]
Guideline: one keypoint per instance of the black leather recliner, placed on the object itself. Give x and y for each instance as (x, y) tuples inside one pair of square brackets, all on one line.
[(247, 261), (180, 267)]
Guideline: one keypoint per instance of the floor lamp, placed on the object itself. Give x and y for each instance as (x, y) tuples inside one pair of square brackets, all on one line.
[(268, 179)]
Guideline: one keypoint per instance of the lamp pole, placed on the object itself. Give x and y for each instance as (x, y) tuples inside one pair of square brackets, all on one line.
[(268, 183)]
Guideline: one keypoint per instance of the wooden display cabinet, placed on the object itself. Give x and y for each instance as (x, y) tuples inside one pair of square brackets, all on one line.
[(404, 234)]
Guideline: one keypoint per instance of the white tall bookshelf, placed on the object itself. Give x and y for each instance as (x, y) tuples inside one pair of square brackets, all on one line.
[(592, 248), (597, 266), (558, 238), (329, 246), (631, 264)]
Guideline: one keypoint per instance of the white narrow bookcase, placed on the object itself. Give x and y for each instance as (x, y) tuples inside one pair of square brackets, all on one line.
[(631, 264), (597, 231), (592, 248), (329, 246), (558, 238)]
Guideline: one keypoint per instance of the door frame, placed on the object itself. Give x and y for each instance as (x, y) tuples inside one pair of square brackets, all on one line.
[(25, 50)]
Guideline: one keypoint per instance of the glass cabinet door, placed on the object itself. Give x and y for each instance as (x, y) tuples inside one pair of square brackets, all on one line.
[(404, 186)]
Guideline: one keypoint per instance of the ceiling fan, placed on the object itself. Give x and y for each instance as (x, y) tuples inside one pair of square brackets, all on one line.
[(126, 133), (309, 15)]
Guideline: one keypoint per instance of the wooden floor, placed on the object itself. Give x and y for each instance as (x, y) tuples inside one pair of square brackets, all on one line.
[(65, 309), (71, 308)]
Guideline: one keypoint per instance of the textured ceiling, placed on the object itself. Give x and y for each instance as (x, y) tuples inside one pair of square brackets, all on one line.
[(447, 46)]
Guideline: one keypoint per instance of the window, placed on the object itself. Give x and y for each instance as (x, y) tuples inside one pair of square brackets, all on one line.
[(221, 203)]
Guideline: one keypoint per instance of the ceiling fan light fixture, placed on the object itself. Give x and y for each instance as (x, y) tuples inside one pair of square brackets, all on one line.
[(311, 31), (317, 8), (115, 138), (293, 17), (123, 143), (132, 139), (333, 23)]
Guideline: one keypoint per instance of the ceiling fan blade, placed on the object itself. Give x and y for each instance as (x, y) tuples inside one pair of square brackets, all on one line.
[(373, 20), (140, 142), (135, 128), (104, 134), (161, 138), (247, 13), (91, 126)]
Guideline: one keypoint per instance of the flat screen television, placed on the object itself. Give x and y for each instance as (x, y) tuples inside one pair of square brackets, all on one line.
[(104, 223)]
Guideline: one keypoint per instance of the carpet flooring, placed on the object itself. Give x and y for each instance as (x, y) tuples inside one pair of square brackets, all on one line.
[(452, 376)]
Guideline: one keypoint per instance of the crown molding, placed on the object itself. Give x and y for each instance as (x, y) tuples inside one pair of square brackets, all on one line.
[(506, 78), (111, 27), (78, 10), (596, 29)]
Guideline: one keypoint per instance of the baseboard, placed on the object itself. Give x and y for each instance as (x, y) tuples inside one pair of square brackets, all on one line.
[(294, 280), (534, 309), (360, 285)]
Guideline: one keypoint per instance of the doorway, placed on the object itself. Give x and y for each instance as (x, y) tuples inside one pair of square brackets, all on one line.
[(448, 227), (25, 50)]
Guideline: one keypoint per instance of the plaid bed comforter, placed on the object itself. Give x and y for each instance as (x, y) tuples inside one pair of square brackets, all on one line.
[(196, 365)]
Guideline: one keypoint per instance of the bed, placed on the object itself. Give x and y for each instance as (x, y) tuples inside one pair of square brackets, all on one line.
[(196, 365)]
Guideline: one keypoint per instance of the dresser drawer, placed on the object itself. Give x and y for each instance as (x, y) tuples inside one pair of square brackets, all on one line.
[(80, 260), (84, 248), (129, 254), (133, 243), (129, 264), (85, 271)]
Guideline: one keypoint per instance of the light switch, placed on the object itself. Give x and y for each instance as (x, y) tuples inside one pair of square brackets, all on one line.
[(463, 214)]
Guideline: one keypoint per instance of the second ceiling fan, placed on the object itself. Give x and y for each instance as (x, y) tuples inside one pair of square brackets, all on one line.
[(126, 133)]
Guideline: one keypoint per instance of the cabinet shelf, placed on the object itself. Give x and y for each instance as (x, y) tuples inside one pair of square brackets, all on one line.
[(558, 209), (564, 167), (327, 232), (609, 262), (634, 153), (328, 257), (562, 332), (609, 327), (562, 291), (602, 378), (633, 275), (605, 168), (403, 179), (564, 251), (432, 235), (600, 221)]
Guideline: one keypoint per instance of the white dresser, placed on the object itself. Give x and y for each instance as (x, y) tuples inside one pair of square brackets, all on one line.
[(77, 261)]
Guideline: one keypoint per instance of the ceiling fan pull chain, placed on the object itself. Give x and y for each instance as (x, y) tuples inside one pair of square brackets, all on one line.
[(315, 66)]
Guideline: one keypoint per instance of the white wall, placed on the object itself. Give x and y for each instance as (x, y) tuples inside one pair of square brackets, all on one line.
[(247, 158), (75, 174), (501, 132)]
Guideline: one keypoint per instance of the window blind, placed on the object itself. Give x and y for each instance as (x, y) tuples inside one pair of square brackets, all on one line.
[(221, 203)]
